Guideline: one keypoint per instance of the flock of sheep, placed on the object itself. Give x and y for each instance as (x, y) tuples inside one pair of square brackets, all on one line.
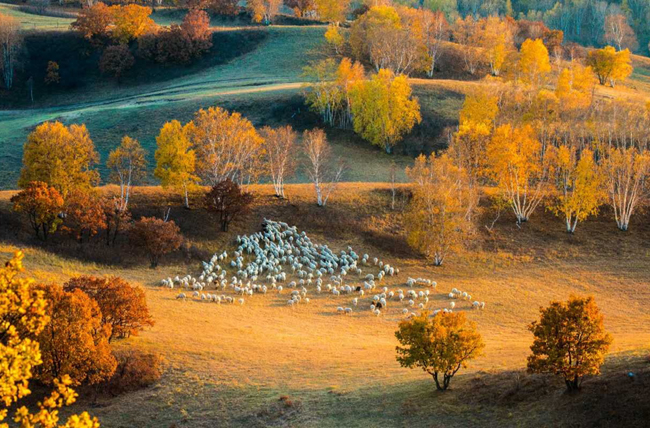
[(279, 257)]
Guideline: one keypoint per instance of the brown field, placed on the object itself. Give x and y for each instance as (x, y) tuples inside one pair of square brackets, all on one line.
[(228, 365)]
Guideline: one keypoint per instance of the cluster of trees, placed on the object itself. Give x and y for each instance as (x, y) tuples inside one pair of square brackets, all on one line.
[(381, 109), (61, 336), (217, 147), (569, 340)]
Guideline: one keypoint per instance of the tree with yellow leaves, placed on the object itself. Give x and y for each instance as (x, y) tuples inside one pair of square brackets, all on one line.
[(227, 146), (334, 38), (534, 63), (175, 159), (466, 33), (23, 314), (439, 345), (263, 10), (610, 66), (128, 164), (131, 22), (280, 147), (476, 123), (626, 171), (516, 163), (333, 11), (383, 109), (575, 86), (496, 40), (570, 340), (578, 186), (443, 200), (435, 31), (61, 156)]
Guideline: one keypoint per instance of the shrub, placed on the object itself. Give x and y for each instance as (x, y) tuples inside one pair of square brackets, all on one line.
[(74, 342), (123, 306), (226, 200), (42, 204), (135, 370), (157, 237), (84, 215), (116, 60), (442, 344)]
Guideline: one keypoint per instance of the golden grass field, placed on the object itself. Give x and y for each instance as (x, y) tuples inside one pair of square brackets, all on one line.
[(227, 365)]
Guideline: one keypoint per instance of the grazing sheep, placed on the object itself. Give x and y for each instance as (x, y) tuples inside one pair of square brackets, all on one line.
[(355, 301), (348, 311), (279, 289), (452, 305), (405, 311), (241, 301), (181, 296)]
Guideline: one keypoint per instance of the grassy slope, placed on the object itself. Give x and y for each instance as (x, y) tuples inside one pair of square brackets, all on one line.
[(228, 364)]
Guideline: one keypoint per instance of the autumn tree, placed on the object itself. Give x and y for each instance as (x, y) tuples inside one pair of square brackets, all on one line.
[(619, 33), (334, 38), (156, 237), (322, 169), (43, 205), (61, 156), (280, 146), (52, 73), (175, 159), (84, 214), (130, 22), (263, 10), (439, 345), (578, 186), (227, 146), (626, 172), (610, 66), (74, 343), (435, 29), (332, 10), (115, 219), (10, 46), (519, 167), (123, 307), (93, 22), (466, 33), (439, 212), (575, 86), (496, 41), (301, 8), (116, 60), (196, 26), (23, 316), (128, 165), (383, 109), (476, 124), (534, 63), (226, 200), (224, 7), (570, 340)]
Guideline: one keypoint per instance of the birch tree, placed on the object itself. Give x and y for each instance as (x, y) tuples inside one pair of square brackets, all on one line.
[(322, 169), (10, 42), (128, 165), (280, 145)]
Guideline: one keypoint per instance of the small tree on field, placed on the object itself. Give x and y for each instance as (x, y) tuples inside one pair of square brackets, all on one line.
[(116, 220), (52, 73), (610, 66), (157, 237), (93, 22), (534, 63), (321, 170), (128, 164), (42, 205), (570, 340), (74, 343), (226, 200), (280, 146), (123, 306), (441, 345), (334, 38), (84, 214), (23, 315)]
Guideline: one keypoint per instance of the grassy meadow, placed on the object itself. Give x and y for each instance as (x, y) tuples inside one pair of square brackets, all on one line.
[(229, 364)]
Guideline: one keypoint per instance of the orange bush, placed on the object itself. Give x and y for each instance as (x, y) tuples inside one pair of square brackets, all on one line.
[(157, 237), (135, 370)]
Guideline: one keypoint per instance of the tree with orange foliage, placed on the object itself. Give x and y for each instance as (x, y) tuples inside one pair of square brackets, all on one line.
[(84, 214), (435, 29), (619, 33), (578, 185), (466, 33), (130, 22), (43, 205), (61, 156), (575, 86), (439, 345), (23, 315), (74, 342), (280, 145), (52, 73), (156, 237), (116, 60), (123, 306), (263, 10), (302, 8), (496, 40), (116, 219), (196, 26), (515, 161), (332, 10), (437, 220), (610, 66), (226, 200), (93, 22), (534, 63), (224, 7), (227, 146), (570, 340)]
